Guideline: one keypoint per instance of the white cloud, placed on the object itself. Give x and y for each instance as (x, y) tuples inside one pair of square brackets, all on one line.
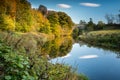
[(88, 56), (66, 6), (90, 4)]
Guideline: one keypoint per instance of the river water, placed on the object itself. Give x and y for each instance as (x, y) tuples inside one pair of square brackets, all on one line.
[(96, 63)]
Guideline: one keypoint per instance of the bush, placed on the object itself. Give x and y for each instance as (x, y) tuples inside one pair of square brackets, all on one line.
[(13, 66)]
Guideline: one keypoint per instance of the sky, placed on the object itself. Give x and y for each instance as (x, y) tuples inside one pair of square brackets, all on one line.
[(81, 9)]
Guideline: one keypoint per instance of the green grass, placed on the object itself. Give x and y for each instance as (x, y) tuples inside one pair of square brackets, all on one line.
[(105, 38)]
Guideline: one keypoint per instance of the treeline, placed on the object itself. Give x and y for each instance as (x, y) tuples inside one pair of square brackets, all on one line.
[(113, 22), (17, 15), (113, 18), (91, 26), (84, 27)]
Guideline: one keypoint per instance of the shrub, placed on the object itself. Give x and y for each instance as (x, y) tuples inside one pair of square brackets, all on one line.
[(13, 66)]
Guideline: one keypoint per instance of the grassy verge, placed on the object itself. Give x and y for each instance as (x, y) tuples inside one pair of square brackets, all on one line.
[(105, 38), (19, 60)]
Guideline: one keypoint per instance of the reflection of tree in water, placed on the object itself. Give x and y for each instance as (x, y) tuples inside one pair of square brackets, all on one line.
[(118, 55), (116, 51), (65, 47), (57, 47)]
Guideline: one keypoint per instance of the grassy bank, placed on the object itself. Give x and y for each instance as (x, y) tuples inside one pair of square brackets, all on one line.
[(25, 42), (105, 38), (20, 59)]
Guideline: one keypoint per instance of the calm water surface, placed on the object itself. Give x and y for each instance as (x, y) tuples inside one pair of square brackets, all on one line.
[(95, 63)]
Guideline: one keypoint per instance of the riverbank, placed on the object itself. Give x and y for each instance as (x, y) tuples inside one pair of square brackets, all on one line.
[(21, 59), (105, 38)]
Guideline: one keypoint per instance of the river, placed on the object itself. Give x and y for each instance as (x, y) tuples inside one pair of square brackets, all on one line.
[(96, 63)]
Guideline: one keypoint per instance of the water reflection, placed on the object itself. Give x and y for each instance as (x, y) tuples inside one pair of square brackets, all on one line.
[(58, 47), (116, 51), (89, 56), (61, 46), (66, 56), (96, 63)]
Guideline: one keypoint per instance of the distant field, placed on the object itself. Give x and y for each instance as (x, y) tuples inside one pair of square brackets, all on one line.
[(106, 38)]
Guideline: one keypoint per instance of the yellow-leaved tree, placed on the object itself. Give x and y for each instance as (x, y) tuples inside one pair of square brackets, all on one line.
[(6, 23), (40, 23)]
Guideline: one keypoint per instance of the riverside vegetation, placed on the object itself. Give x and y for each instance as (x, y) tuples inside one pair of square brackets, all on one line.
[(26, 36), (23, 31), (105, 38), (17, 64), (100, 34)]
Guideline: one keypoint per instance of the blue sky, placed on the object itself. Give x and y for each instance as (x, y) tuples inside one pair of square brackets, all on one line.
[(82, 9)]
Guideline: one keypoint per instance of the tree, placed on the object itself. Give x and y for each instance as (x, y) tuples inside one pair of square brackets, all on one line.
[(19, 11), (100, 25), (90, 26), (60, 23), (23, 16), (82, 22), (45, 27), (43, 10), (54, 22), (11, 8), (2, 6), (75, 33), (119, 18), (19, 16), (7, 13), (53, 18), (65, 20), (40, 24), (110, 18), (6, 23)]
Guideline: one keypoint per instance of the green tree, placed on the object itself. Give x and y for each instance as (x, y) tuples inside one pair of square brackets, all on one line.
[(53, 18), (54, 22), (65, 22), (75, 33), (45, 27), (43, 10), (100, 25), (90, 26)]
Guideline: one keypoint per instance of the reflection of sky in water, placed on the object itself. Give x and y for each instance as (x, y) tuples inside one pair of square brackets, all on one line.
[(68, 55), (89, 57), (97, 64)]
